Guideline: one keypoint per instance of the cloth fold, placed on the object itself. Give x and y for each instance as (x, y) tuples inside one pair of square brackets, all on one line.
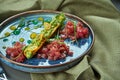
[(71, 74), (51, 5), (12, 7), (103, 62)]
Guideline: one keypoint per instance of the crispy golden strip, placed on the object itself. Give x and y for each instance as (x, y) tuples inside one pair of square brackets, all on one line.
[(46, 33)]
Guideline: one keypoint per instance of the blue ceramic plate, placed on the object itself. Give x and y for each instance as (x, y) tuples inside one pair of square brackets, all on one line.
[(33, 20)]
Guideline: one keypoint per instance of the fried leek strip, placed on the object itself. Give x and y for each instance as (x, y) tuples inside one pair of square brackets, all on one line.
[(49, 29)]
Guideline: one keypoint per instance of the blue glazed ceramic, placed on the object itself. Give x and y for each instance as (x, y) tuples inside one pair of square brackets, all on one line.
[(33, 20)]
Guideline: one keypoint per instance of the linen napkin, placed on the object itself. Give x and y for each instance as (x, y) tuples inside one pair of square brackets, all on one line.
[(104, 60)]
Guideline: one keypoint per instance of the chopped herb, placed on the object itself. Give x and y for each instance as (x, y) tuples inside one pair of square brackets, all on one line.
[(16, 32), (29, 41), (13, 42), (19, 27), (57, 36), (4, 47), (29, 22), (75, 28), (22, 22), (35, 22), (4, 40), (38, 26), (24, 47)]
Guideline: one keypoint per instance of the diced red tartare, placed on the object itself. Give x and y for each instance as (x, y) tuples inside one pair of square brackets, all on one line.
[(54, 50), (74, 31), (15, 53)]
